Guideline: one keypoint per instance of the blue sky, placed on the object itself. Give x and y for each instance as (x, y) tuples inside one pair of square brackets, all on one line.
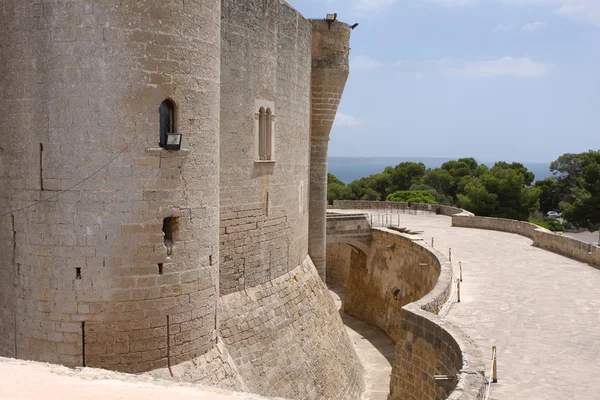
[(514, 80)]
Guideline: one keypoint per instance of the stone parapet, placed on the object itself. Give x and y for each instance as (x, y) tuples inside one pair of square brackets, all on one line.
[(397, 205), (400, 286), (542, 238)]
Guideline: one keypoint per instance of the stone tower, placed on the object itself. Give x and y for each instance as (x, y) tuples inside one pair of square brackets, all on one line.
[(330, 68), (117, 266)]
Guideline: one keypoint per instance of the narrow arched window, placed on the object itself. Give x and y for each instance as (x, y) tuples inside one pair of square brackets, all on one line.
[(268, 134), (264, 131), (262, 134), (166, 113)]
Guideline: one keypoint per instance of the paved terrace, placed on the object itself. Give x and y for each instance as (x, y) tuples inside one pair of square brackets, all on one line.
[(375, 351), (541, 310)]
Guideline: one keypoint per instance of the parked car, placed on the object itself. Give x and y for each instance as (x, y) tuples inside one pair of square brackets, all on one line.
[(553, 214)]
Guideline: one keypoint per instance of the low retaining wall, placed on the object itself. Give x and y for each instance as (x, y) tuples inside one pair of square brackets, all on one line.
[(396, 205), (541, 237), (425, 344)]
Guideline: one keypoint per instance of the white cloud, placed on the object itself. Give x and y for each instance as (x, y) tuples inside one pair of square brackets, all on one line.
[(534, 26), (346, 121), (364, 62), (588, 10), (506, 66), (505, 27)]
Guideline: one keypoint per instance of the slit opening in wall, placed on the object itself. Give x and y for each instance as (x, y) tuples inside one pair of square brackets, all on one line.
[(160, 268), (267, 204), (169, 228), (78, 273), (83, 344)]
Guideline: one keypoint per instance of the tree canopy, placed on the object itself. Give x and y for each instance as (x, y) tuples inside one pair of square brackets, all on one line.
[(506, 190)]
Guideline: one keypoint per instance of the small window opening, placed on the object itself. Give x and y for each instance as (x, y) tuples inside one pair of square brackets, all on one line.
[(160, 268), (169, 229), (166, 113), (78, 273), (267, 204)]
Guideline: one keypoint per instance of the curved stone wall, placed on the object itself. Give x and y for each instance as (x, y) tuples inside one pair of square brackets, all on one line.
[(394, 261), (266, 61), (396, 205), (425, 344), (287, 339), (277, 318), (541, 237), (80, 280)]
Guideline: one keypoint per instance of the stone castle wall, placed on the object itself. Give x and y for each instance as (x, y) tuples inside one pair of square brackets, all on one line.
[(288, 340), (79, 82), (277, 318), (266, 57), (88, 277)]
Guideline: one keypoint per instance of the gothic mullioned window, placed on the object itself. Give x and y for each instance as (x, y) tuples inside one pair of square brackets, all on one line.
[(166, 113), (265, 119)]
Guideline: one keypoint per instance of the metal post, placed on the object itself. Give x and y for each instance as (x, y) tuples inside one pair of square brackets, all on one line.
[(169, 347), (458, 291), (450, 255), (460, 265), (432, 242), (494, 366)]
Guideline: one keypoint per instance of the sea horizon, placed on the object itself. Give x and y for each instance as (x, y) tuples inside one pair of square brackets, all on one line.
[(348, 169)]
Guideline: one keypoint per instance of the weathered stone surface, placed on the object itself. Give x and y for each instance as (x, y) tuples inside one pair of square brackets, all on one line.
[(287, 339), (125, 268), (425, 344), (330, 66), (266, 57), (80, 82)]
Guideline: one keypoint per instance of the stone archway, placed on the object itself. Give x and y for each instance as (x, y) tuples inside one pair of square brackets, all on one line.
[(342, 256)]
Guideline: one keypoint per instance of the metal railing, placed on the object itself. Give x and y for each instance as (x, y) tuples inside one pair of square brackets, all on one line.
[(384, 219)]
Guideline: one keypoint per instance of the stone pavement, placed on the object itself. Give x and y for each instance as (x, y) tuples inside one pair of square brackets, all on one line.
[(28, 380), (375, 351), (541, 310)]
